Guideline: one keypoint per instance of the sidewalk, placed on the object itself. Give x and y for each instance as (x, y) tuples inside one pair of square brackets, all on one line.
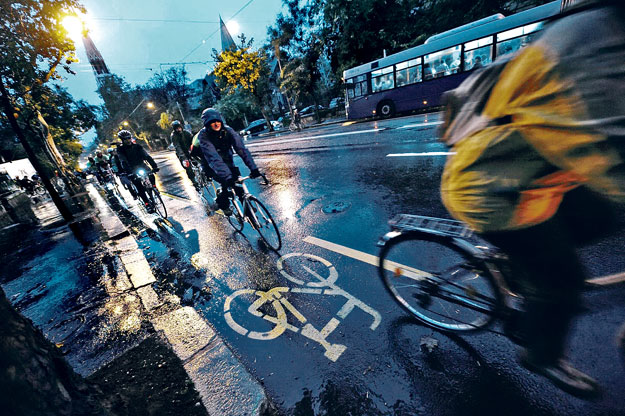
[(151, 356)]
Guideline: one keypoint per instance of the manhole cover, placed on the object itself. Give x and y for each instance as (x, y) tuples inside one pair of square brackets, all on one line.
[(336, 207)]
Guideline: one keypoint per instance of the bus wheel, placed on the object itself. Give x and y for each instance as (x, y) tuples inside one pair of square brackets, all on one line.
[(386, 109)]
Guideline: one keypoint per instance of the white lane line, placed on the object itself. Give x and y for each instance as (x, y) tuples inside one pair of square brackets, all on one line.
[(364, 257), (392, 266), (321, 136), (420, 154), (432, 123), (607, 280)]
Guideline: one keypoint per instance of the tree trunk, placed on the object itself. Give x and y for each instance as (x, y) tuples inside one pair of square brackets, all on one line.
[(35, 378)]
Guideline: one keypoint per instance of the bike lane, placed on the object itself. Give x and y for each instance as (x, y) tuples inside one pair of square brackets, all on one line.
[(317, 328)]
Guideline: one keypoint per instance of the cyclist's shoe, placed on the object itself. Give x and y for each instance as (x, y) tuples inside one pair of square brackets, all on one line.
[(227, 211), (563, 375)]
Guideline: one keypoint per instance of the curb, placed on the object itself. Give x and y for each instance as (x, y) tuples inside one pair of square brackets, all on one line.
[(221, 380)]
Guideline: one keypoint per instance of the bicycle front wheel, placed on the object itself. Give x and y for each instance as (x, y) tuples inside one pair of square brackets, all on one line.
[(439, 282), (236, 219), (263, 222), (159, 205)]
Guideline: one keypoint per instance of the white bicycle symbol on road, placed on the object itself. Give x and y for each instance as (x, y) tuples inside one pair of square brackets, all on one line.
[(275, 299)]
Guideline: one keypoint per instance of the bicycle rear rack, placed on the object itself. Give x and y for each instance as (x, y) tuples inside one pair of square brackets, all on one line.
[(407, 222)]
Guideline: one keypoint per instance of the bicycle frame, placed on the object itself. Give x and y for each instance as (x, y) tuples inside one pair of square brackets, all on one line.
[(245, 212)]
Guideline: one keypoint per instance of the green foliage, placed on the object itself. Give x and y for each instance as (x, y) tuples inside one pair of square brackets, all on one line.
[(235, 106), (356, 32), (246, 73), (164, 122), (33, 45)]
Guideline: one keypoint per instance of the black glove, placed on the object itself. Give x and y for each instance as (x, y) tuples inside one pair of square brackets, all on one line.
[(230, 182), (255, 173), (155, 170)]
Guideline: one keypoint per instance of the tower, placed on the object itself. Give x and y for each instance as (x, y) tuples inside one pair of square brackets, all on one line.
[(100, 70), (226, 40)]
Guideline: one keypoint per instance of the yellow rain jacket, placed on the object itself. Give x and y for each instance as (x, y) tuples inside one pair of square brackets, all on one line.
[(554, 119)]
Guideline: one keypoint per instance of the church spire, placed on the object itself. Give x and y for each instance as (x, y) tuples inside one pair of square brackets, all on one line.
[(226, 40)]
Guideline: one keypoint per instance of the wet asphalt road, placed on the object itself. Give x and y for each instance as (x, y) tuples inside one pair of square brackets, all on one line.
[(348, 348)]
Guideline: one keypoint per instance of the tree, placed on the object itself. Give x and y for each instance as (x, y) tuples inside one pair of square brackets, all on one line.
[(355, 32), (237, 109), (297, 36), (169, 87), (248, 71), (33, 45)]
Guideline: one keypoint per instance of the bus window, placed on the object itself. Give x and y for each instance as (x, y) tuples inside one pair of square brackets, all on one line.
[(382, 79), (514, 39), (478, 53), (408, 72), (439, 64), (360, 86)]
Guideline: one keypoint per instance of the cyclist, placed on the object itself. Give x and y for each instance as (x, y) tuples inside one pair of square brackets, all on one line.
[(132, 158), (182, 141), (217, 141), (116, 166), (102, 164), (538, 142)]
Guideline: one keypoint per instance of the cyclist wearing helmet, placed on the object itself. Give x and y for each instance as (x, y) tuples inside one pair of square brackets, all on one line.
[(132, 158), (182, 140), (217, 141), (119, 171)]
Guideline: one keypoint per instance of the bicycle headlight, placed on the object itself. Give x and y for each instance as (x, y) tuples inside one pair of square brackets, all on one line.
[(141, 172)]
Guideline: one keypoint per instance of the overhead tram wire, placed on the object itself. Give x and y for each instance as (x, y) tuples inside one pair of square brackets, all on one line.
[(213, 34)]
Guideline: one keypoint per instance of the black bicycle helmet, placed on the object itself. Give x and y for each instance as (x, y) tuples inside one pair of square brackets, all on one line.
[(210, 114), (124, 134), (175, 124)]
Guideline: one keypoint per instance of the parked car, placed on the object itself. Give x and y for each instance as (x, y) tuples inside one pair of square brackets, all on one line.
[(254, 128), (310, 110), (338, 102), (277, 125)]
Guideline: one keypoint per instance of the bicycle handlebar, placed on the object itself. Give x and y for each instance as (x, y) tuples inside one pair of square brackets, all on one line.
[(242, 179)]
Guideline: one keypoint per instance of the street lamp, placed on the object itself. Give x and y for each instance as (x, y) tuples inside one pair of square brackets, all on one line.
[(150, 105)]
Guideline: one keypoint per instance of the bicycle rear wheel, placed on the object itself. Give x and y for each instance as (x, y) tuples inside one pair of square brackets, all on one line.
[(439, 283), (263, 222), (159, 205), (236, 219)]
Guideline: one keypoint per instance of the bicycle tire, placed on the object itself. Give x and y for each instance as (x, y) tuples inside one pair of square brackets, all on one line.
[(210, 189), (159, 205), (263, 223), (459, 295), (236, 219)]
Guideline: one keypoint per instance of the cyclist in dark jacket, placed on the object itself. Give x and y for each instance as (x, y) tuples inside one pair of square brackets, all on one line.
[(217, 142), (132, 158), (182, 140)]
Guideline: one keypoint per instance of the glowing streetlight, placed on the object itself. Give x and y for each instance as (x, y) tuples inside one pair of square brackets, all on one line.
[(74, 26), (233, 27), (125, 123), (150, 105)]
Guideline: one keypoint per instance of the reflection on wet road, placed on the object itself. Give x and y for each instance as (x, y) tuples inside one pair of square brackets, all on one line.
[(314, 324)]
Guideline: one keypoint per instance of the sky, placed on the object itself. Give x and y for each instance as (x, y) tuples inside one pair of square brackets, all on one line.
[(140, 37)]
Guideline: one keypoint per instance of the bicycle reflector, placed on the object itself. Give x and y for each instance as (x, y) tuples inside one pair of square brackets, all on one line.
[(186, 163)]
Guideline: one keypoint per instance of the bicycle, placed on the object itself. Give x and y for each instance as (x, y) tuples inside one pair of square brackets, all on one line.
[(205, 184), (462, 288), (152, 193), (108, 181), (249, 209)]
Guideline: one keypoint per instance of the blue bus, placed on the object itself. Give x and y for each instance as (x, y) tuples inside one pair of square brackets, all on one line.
[(416, 78)]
